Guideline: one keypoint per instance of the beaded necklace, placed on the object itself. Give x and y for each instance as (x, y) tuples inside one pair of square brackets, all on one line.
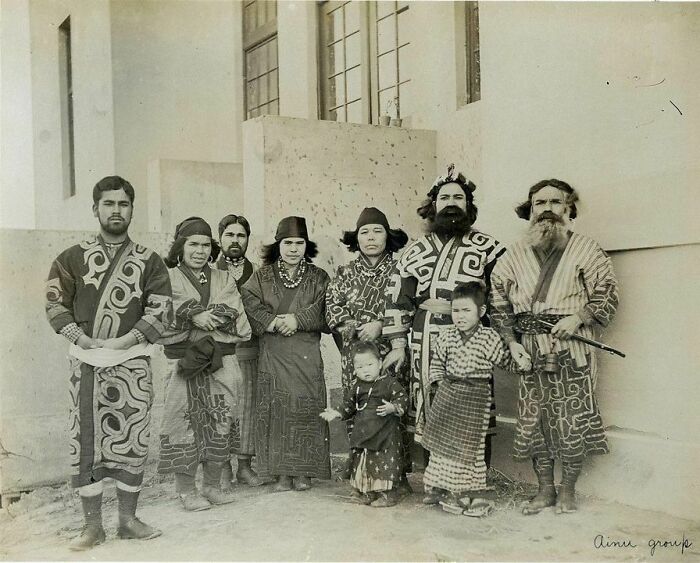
[(369, 395), (287, 281)]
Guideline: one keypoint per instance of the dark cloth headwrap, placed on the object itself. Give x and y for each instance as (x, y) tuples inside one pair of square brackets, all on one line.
[(193, 226), (202, 357), (292, 227), (451, 177), (372, 216)]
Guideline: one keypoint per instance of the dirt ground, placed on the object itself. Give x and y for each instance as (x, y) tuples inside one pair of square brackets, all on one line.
[(321, 525)]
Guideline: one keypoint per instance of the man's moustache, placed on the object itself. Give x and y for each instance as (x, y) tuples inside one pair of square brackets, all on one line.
[(549, 216)]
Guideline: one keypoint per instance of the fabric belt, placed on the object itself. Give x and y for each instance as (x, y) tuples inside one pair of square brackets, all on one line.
[(437, 306), (530, 323)]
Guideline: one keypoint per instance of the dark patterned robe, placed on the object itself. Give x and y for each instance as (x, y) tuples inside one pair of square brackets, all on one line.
[(110, 406), (430, 270), (291, 438), (243, 442), (200, 415), (558, 413)]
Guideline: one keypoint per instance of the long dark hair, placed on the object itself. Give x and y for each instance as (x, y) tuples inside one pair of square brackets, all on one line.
[(174, 256), (396, 239), (271, 252), (427, 209)]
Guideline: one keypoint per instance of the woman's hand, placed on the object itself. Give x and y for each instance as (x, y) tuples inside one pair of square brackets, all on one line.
[(386, 408), (87, 343), (287, 324), (369, 332), (122, 343), (330, 414), (206, 320), (396, 358)]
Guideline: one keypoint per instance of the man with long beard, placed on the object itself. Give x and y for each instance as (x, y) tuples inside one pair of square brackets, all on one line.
[(234, 235), (109, 297), (418, 294), (554, 277)]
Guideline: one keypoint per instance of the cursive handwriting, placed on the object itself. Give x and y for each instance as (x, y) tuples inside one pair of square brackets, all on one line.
[(602, 541)]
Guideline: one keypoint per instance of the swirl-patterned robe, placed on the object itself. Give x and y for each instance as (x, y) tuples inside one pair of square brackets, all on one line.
[(429, 269), (558, 413), (107, 297)]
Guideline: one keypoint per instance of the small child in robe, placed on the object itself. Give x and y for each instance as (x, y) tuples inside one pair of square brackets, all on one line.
[(376, 402), (458, 419)]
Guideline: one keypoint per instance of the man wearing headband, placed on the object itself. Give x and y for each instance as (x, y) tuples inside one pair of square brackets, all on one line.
[(110, 298), (549, 285), (234, 235), (418, 295)]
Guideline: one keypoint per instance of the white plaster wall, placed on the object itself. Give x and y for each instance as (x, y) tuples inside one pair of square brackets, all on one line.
[(567, 91), (182, 188), (92, 104), (16, 136), (177, 84)]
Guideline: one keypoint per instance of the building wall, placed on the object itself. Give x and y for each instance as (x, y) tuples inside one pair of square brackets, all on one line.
[(177, 85), (17, 200), (92, 103), (178, 189)]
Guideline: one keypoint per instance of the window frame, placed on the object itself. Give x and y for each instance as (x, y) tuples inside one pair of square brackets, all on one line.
[(65, 70), (253, 40)]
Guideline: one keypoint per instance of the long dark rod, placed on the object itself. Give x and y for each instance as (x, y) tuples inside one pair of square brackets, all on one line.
[(589, 341)]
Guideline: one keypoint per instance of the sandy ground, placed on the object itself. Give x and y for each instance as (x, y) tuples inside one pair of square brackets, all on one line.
[(321, 524)]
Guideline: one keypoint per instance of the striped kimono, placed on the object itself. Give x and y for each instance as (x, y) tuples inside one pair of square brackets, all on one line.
[(458, 419), (418, 300), (558, 413), (105, 294)]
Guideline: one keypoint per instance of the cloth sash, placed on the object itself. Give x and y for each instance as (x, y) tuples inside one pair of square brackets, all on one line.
[(106, 357), (530, 323)]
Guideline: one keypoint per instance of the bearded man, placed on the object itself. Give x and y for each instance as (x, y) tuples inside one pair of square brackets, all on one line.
[(418, 293), (554, 277), (110, 298), (234, 235)]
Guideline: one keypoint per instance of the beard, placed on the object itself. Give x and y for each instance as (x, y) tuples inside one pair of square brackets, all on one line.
[(115, 228), (548, 231), (234, 252), (452, 221)]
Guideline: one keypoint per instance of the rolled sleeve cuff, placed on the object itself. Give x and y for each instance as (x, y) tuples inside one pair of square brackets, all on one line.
[(140, 338), (72, 332)]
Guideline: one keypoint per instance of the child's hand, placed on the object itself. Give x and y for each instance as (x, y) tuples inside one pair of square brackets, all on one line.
[(386, 409), (330, 414)]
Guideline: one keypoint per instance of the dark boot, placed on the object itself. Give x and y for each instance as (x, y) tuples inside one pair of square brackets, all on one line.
[(284, 483), (246, 475), (191, 500), (227, 477), (211, 484), (566, 499), (546, 495), (93, 533), (130, 527)]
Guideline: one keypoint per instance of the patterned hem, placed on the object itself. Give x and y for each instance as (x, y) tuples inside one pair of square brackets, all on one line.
[(453, 476)]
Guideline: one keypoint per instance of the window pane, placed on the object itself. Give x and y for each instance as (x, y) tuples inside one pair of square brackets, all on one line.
[(335, 25), (251, 64), (353, 51), (262, 89), (252, 99), (262, 12), (336, 91), (352, 17), (386, 35), (403, 28), (385, 7), (355, 112), (272, 10), (273, 85), (274, 108), (404, 64), (353, 79), (249, 18), (335, 58), (272, 54), (386, 102), (387, 70), (405, 100), (337, 114)]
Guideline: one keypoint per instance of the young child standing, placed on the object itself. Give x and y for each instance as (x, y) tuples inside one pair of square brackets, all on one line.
[(457, 422), (376, 403)]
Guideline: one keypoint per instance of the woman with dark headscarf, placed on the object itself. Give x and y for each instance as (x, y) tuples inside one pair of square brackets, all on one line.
[(200, 348), (356, 296), (285, 303)]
